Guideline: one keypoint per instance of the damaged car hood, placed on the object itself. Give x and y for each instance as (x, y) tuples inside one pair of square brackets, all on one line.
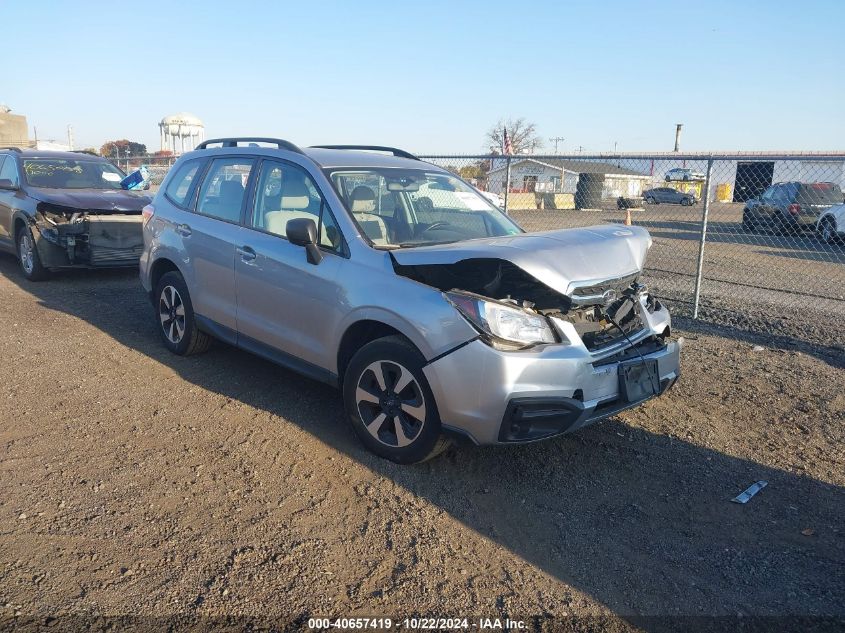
[(114, 200), (560, 259)]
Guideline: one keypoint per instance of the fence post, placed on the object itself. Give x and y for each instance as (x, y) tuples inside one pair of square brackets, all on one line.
[(507, 182), (704, 214)]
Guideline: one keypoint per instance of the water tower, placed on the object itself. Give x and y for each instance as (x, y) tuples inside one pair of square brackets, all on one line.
[(181, 132)]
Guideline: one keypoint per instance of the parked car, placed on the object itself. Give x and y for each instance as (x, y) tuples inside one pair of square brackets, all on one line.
[(791, 207), (67, 209), (668, 195), (831, 224), (394, 280), (683, 174)]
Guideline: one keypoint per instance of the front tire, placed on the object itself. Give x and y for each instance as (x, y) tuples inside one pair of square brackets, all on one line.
[(28, 258), (390, 404), (175, 315)]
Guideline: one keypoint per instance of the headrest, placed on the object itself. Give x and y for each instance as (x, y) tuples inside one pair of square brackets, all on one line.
[(231, 189), (294, 195), (362, 200)]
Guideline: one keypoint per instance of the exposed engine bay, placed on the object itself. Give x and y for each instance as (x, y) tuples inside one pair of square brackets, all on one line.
[(67, 236), (602, 314)]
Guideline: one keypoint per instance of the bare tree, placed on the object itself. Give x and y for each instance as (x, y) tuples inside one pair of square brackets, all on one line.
[(522, 134)]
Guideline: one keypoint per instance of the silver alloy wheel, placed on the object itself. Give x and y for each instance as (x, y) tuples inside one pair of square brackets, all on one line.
[(391, 403), (25, 249), (171, 311)]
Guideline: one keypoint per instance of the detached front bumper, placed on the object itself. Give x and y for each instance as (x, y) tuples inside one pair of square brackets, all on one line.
[(495, 397)]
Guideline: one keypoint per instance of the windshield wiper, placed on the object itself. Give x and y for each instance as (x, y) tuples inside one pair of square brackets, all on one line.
[(413, 244)]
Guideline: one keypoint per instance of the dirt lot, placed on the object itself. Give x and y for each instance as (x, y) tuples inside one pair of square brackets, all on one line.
[(133, 482)]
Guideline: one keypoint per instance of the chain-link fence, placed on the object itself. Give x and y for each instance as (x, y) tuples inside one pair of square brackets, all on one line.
[(730, 231)]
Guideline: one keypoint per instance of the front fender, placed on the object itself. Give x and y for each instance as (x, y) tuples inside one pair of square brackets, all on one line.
[(451, 330)]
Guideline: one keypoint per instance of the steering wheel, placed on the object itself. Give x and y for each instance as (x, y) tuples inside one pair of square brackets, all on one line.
[(436, 225)]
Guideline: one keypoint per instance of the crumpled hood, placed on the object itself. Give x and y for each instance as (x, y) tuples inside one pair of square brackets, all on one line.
[(557, 258), (117, 200)]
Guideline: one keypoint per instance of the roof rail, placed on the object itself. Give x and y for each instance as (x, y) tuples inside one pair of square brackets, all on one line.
[(233, 142), (379, 148), (14, 149)]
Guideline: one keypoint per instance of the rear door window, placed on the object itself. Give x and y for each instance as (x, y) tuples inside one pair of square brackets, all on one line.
[(183, 180), (224, 188)]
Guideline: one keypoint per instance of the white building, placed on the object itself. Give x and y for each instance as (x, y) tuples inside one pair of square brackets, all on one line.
[(555, 175), (181, 132)]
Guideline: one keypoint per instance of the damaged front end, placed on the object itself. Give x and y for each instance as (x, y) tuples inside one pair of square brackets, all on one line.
[(561, 286), (74, 237), (567, 334)]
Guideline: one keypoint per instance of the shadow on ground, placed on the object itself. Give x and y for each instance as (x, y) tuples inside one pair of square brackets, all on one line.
[(640, 521)]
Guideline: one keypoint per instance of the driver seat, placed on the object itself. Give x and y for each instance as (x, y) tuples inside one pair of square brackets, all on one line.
[(362, 203)]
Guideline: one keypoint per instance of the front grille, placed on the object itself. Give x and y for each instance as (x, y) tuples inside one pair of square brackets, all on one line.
[(619, 284)]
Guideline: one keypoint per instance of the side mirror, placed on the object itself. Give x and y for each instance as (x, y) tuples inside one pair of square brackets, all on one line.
[(303, 232), (7, 184)]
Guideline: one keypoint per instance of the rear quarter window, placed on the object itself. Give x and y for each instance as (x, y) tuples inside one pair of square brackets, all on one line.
[(180, 185)]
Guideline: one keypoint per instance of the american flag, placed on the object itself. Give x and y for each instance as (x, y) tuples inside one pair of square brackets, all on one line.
[(507, 148)]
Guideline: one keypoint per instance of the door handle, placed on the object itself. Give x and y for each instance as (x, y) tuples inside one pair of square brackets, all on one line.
[(247, 254), (183, 229)]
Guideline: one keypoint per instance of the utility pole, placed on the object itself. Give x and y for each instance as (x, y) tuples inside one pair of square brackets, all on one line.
[(580, 148), (556, 140), (70, 137), (678, 128)]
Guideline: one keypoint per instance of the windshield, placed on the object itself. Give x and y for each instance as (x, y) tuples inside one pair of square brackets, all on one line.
[(60, 173), (399, 208)]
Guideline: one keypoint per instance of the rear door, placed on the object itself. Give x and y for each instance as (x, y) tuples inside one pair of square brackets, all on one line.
[(209, 234)]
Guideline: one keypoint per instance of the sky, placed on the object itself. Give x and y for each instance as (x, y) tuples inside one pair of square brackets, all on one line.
[(434, 76)]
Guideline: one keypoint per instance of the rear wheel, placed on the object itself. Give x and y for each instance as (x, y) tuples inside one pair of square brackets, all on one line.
[(175, 314), (28, 257), (650, 200), (827, 231), (390, 404)]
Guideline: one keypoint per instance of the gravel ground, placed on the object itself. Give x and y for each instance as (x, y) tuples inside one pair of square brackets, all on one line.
[(220, 487)]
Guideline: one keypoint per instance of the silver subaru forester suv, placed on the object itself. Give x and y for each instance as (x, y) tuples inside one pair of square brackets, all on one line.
[(393, 279)]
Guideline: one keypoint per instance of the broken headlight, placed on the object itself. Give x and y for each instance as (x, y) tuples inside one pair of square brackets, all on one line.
[(506, 327)]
